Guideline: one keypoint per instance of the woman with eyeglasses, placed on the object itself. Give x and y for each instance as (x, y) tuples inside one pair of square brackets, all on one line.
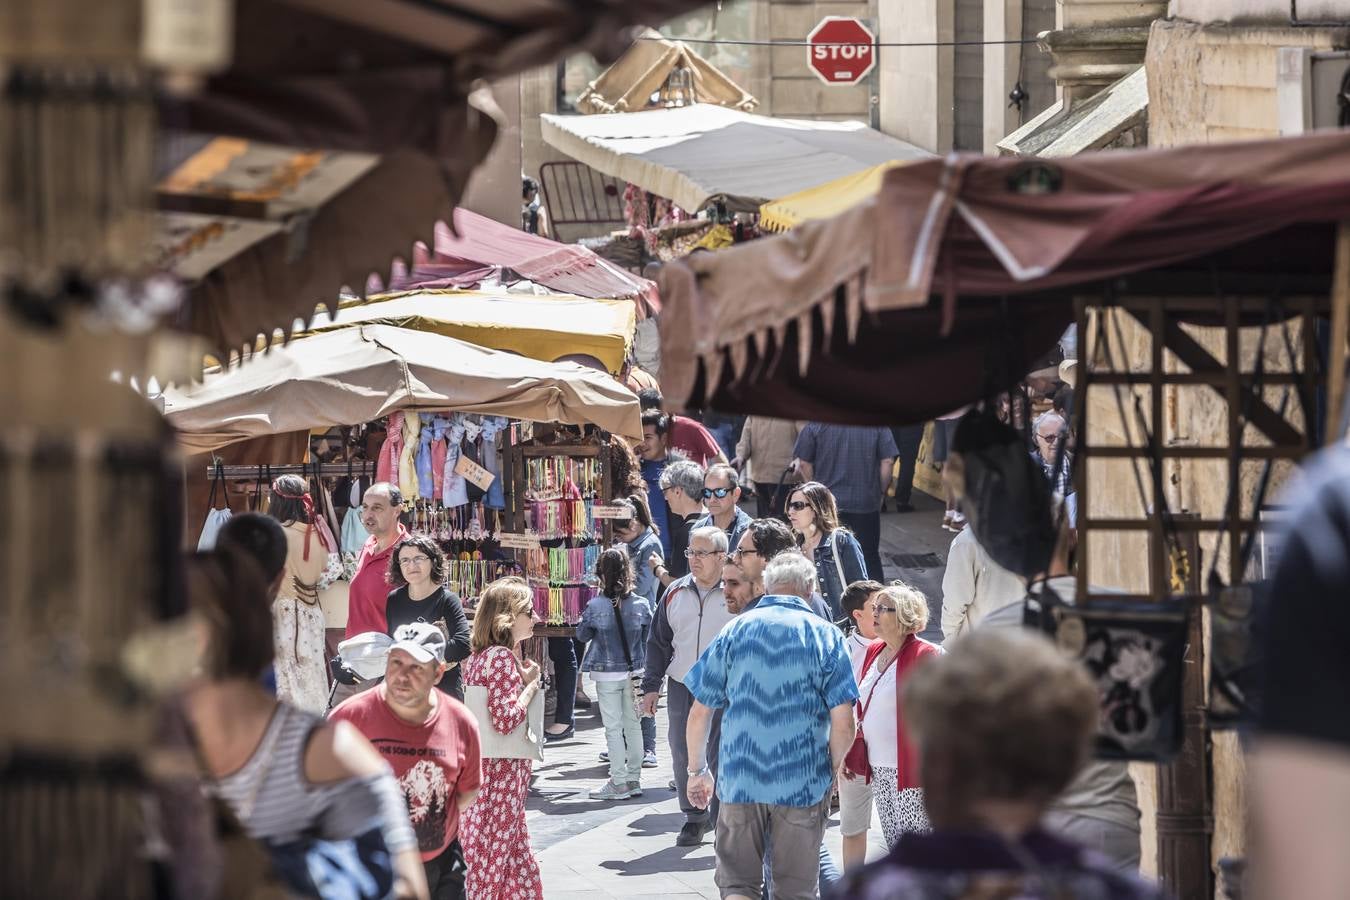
[(814, 518), (899, 613), (496, 840), (417, 572)]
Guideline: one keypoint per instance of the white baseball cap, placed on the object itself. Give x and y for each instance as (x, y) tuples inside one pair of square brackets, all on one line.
[(420, 640)]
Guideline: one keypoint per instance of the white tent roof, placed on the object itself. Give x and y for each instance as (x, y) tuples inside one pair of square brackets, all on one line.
[(700, 153)]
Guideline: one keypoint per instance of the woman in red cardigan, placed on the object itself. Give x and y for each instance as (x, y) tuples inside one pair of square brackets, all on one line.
[(900, 612)]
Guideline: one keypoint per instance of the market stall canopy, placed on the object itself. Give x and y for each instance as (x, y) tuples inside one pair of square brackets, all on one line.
[(700, 154), (366, 372), (823, 201), (481, 249), (546, 328), (645, 69), (259, 233), (964, 270)]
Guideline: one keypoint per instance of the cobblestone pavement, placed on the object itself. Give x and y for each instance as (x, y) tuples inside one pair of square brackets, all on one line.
[(626, 849)]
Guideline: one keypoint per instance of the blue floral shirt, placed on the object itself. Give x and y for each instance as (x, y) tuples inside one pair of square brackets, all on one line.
[(776, 672)]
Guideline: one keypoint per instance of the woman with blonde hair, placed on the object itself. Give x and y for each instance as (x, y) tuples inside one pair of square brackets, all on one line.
[(500, 687), (899, 613), (814, 517)]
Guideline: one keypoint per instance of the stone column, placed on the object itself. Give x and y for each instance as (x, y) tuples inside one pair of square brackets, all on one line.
[(1098, 42), (916, 83)]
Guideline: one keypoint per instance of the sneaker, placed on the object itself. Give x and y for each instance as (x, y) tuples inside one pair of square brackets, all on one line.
[(672, 785), (604, 756), (947, 521), (649, 759), (634, 789), (610, 791), (691, 835)]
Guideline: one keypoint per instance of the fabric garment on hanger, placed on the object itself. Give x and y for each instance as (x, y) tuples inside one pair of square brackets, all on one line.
[(454, 489), (431, 446), (386, 466), (407, 460), (492, 460)]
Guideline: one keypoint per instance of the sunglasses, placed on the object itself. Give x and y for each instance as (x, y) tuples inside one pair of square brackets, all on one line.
[(798, 505), (879, 610), (719, 493)]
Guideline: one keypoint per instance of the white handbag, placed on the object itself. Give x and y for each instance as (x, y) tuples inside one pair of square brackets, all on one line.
[(525, 741)]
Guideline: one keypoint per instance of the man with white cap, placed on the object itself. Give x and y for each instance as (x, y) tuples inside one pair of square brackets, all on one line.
[(431, 741)]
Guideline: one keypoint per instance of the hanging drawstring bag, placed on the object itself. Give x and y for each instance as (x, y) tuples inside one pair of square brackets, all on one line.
[(215, 518)]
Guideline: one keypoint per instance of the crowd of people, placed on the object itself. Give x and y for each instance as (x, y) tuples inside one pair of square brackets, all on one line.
[(795, 679)]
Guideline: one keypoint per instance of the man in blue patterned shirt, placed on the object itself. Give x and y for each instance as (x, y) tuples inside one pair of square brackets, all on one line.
[(782, 677)]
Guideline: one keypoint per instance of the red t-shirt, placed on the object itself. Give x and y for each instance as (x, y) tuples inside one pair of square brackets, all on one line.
[(692, 439), (370, 587), (434, 762)]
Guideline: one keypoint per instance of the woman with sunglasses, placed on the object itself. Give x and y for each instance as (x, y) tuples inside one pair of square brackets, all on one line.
[(899, 613), (814, 518), (496, 840), (417, 572)]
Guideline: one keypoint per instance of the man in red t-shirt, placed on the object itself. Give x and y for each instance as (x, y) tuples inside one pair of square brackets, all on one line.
[(431, 741), (381, 506), (686, 435)]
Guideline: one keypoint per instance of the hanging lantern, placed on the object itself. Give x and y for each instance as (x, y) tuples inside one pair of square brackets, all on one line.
[(679, 88)]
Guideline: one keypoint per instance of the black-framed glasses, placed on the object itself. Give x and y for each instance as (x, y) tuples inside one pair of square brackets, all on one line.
[(742, 551), (1051, 438), (798, 505), (719, 493), (414, 561)]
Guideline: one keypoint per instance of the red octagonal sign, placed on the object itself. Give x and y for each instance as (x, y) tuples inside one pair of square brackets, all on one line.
[(841, 50)]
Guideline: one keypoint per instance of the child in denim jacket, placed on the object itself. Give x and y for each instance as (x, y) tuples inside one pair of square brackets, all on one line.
[(610, 670)]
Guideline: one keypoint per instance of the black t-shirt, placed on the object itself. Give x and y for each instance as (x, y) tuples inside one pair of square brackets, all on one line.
[(1308, 628), (442, 608), (678, 564)]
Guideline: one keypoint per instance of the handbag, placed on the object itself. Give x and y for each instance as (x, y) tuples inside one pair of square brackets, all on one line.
[(856, 759), (634, 679), (525, 741), (215, 518)]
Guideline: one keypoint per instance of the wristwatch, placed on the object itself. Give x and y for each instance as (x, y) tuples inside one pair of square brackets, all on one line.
[(700, 773)]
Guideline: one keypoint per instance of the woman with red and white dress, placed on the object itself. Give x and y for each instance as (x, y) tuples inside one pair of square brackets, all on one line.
[(496, 842), (899, 613)]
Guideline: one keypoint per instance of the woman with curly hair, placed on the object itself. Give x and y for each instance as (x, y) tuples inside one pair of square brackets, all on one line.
[(496, 841), (417, 572)]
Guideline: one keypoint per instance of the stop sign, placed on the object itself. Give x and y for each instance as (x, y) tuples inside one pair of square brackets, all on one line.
[(841, 50)]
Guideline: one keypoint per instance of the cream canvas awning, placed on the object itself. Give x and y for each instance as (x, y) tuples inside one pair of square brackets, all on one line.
[(365, 372), (645, 67), (699, 154)]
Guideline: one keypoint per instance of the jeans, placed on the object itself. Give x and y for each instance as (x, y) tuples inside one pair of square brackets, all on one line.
[(623, 735), (648, 725), (907, 439), (678, 703), (829, 872), (564, 655), (866, 527)]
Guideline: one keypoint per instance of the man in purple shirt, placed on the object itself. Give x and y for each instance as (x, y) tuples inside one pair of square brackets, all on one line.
[(855, 463)]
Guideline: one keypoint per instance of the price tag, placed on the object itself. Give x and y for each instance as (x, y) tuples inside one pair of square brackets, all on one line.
[(603, 511), (473, 473), (510, 541)]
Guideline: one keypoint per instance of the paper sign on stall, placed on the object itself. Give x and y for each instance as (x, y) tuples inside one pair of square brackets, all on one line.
[(473, 473), (513, 541), (604, 511)]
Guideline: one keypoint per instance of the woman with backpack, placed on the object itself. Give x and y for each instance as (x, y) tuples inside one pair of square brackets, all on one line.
[(814, 518), (616, 622)]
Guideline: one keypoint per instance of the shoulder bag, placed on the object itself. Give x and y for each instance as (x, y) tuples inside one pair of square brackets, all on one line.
[(856, 760), (525, 741)]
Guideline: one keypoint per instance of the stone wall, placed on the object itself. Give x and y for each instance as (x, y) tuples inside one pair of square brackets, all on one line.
[(1212, 83), (794, 90)]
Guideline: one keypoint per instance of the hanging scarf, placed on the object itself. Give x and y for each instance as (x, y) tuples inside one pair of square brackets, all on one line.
[(440, 426), (325, 536), (386, 466), (431, 432), (407, 459)]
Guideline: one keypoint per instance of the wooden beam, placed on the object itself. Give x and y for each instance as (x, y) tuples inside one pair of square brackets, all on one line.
[(1340, 330)]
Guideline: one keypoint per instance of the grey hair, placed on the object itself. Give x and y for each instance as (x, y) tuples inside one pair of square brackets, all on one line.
[(686, 475), (790, 570), (713, 535), (1048, 414)]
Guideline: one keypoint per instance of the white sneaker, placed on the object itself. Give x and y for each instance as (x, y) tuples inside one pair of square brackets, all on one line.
[(610, 791), (649, 759), (604, 756), (634, 789)]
